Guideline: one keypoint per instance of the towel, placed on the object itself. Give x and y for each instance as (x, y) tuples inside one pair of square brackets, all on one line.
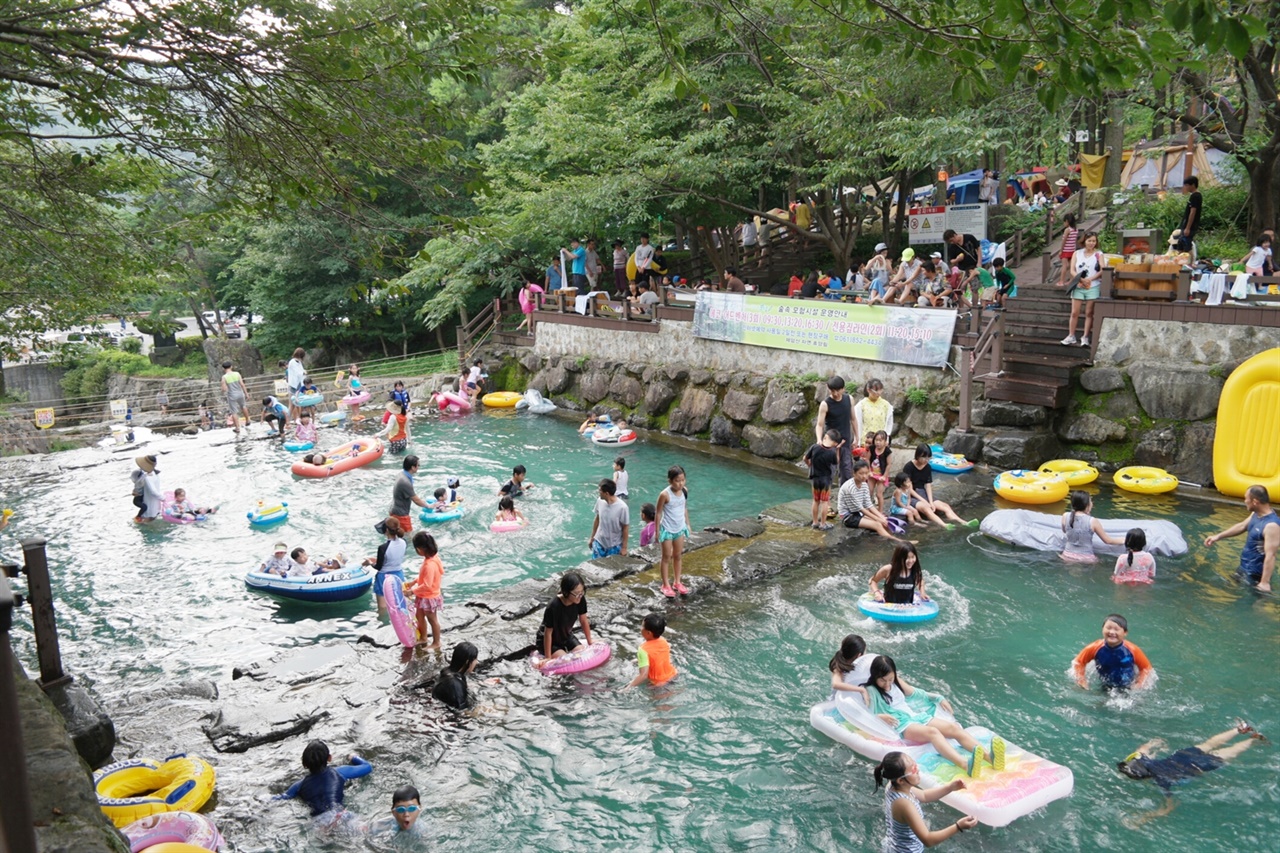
[(1240, 289), (1217, 286)]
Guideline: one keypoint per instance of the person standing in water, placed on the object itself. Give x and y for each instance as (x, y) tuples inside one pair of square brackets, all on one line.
[(905, 830), (1258, 559)]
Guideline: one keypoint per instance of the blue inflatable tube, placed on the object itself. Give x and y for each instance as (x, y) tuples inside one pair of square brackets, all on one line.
[(920, 611), (948, 463), (297, 446), (456, 511)]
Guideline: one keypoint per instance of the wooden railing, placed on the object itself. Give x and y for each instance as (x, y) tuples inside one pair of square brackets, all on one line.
[(474, 332), (990, 342)]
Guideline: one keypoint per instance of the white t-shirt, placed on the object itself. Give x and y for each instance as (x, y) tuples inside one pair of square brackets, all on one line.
[(1257, 257), (644, 256), (620, 479), (474, 375), (294, 373)]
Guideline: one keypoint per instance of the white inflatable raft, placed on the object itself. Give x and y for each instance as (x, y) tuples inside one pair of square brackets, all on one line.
[(1043, 532)]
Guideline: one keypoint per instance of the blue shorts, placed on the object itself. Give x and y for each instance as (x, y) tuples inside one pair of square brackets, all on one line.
[(598, 551), (382, 576), (664, 536)]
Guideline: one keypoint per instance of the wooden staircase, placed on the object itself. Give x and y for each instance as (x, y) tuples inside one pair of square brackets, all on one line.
[(1036, 367)]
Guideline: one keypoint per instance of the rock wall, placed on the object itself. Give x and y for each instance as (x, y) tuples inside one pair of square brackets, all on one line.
[(745, 404), (1151, 397), (38, 384)]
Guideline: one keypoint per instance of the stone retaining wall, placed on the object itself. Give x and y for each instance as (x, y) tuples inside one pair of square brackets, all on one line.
[(734, 395)]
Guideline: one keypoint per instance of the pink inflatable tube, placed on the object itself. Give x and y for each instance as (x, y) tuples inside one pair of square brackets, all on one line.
[(167, 513), (506, 526), (582, 660), (402, 612), (355, 399), (173, 828), (451, 402)]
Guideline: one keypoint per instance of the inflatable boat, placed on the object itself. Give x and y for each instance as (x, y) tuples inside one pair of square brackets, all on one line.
[(344, 457), (1043, 532), (341, 585), (533, 401)]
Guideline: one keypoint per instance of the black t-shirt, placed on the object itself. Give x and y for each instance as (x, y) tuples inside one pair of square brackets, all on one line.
[(809, 290), (880, 461), (966, 255), (1193, 201), (899, 589), (512, 489), (561, 619), (821, 461), (919, 476), (839, 414), (451, 689), (1004, 278)]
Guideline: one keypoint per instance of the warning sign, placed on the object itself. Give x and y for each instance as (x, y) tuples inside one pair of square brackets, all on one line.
[(926, 224), (44, 418)]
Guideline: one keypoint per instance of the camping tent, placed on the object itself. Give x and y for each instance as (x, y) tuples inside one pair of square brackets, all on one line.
[(965, 187), (1163, 164)]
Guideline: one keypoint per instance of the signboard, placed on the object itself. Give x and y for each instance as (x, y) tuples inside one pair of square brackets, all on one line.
[(119, 408), (44, 418), (926, 224), (968, 219), (873, 332), (281, 388)]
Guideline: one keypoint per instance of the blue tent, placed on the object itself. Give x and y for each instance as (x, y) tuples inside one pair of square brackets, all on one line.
[(965, 187)]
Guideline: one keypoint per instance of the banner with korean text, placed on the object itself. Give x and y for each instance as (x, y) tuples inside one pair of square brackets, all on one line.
[(919, 336)]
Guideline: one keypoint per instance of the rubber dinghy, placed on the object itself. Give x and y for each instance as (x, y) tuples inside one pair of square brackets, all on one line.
[(1043, 532), (1027, 783)]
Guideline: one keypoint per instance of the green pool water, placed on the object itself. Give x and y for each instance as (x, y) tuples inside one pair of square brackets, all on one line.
[(722, 759)]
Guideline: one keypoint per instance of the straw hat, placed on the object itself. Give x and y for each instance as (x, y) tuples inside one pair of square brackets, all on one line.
[(146, 463), (1061, 182)]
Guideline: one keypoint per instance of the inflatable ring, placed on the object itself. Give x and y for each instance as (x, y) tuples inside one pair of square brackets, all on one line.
[(506, 526), (452, 403), (174, 830), (166, 512), (298, 446), (306, 401), (948, 463), (1075, 472), (902, 614), (614, 437), (355, 399), (501, 399), (455, 511), (1145, 481), (1031, 487), (138, 787), (580, 661), (268, 514), (402, 611), (333, 417)]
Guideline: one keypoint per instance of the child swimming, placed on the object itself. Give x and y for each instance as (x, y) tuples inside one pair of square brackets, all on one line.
[(556, 636), (620, 477), (1080, 526), (516, 486), (1119, 663), (850, 666), (1135, 565), (654, 655), (305, 428), (182, 508), (903, 578), (323, 788), (507, 512), (673, 532), (905, 830), (451, 688)]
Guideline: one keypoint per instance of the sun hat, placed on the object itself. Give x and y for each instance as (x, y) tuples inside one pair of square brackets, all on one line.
[(1061, 182), (146, 463)]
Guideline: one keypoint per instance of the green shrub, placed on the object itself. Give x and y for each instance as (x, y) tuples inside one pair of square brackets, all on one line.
[(132, 345), (917, 396)]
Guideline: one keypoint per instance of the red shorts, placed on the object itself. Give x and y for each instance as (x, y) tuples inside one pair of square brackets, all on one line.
[(821, 495), (406, 524)]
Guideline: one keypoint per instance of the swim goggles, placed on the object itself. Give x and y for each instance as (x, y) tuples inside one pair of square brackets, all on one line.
[(405, 809)]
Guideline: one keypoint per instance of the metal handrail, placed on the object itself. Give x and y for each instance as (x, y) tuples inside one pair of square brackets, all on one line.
[(17, 827)]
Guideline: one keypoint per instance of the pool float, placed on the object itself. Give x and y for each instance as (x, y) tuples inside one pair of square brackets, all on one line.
[(1145, 480), (948, 463), (1030, 487), (995, 798), (174, 847), (918, 611), (1245, 450), (339, 585), (267, 514), (401, 610), (344, 457), (535, 402), (452, 403), (299, 446), (356, 399), (614, 437), (501, 399), (137, 787), (187, 829), (580, 661), (332, 417), (455, 511), (306, 401), (506, 526), (602, 422), (1043, 532), (1075, 472), (166, 512)]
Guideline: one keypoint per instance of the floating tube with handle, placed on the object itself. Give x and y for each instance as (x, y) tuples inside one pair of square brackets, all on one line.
[(1043, 532)]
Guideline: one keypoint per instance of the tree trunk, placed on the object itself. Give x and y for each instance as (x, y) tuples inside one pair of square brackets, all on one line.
[(900, 221), (1113, 141), (1264, 187), (440, 341)]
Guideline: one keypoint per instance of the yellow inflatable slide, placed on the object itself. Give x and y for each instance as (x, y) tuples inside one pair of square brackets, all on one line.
[(1246, 450)]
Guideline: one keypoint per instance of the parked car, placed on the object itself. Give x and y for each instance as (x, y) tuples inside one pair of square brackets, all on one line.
[(232, 328)]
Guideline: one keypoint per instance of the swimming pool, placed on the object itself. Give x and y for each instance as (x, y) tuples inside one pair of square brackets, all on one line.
[(722, 759)]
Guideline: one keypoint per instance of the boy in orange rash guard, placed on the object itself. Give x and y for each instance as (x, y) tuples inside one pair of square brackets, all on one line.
[(654, 655), (1120, 664)]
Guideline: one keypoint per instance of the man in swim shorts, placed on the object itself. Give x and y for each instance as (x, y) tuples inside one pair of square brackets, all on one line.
[(1258, 559), (611, 525), (1186, 763)]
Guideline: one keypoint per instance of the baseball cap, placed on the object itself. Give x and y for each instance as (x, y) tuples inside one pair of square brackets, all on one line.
[(880, 247), (908, 254), (280, 548), (452, 482), (936, 255)]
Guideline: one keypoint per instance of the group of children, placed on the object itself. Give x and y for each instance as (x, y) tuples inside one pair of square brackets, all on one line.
[(924, 282), (298, 563)]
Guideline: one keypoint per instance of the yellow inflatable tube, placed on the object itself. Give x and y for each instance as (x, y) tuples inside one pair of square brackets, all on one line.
[(1075, 472), (1145, 481), (135, 788), (501, 399), (1031, 487), (1246, 451)]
